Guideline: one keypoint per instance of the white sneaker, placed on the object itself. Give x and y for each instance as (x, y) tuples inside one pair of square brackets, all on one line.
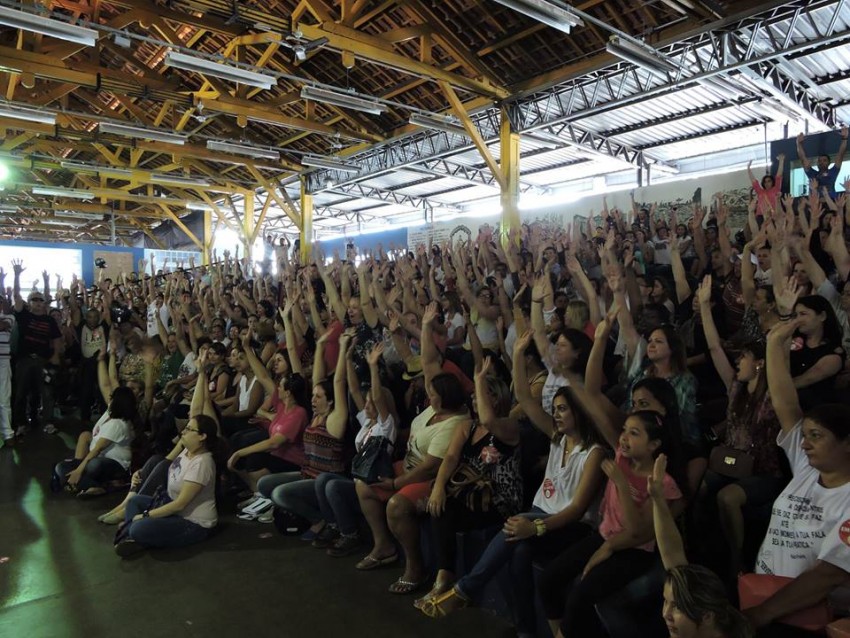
[(267, 516), (247, 502), (259, 506)]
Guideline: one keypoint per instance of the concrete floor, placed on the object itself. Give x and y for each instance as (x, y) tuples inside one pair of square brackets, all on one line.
[(59, 577)]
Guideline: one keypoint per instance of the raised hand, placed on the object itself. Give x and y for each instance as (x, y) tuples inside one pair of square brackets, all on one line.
[(522, 342), (18, 266), (704, 291), (655, 481), (786, 295), (374, 356), (431, 311)]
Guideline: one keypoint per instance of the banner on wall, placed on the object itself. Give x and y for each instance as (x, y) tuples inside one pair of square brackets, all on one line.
[(117, 262)]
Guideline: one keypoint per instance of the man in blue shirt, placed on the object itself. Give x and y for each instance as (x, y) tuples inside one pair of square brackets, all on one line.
[(825, 175)]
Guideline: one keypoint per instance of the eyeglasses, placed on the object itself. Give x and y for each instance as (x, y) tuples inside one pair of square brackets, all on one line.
[(188, 429)]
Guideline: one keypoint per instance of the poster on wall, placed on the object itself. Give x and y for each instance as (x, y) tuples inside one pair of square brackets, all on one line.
[(456, 232), (116, 263)]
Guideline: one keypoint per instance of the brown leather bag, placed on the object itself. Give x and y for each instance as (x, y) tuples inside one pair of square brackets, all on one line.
[(731, 463)]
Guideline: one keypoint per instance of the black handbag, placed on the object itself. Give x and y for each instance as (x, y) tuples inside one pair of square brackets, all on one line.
[(374, 460)]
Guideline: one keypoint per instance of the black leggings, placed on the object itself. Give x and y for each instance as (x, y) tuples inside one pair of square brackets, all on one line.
[(457, 518), (572, 599)]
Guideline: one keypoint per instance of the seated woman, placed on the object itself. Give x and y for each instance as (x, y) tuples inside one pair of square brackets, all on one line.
[(483, 452), (336, 494), (275, 446), (751, 428), (811, 545), (187, 512), (623, 548), (324, 447), (565, 508), (695, 603), (154, 473), (103, 454), (391, 507), (249, 394)]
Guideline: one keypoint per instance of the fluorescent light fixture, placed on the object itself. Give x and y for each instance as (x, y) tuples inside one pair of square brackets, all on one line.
[(27, 115), (330, 163), (8, 210), (243, 149), (81, 167), (438, 123), (643, 57), (223, 71), (546, 12), (77, 215), (56, 222), (141, 133), (162, 178), (199, 206), (342, 99), (73, 193), (46, 26), (775, 109)]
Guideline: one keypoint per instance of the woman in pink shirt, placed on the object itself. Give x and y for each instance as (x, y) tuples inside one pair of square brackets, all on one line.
[(769, 189)]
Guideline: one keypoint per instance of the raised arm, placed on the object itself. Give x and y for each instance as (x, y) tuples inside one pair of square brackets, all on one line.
[(712, 338), (588, 291), (842, 149), (381, 404), (783, 394), (667, 535), (801, 153), (338, 418), (430, 355), (505, 429), (522, 389), (683, 290)]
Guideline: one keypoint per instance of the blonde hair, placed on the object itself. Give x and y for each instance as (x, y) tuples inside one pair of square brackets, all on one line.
[(698, 592)]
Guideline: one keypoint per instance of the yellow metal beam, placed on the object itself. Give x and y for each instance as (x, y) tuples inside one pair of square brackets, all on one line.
[(209, 238), (145, 230), (248, 224), (472, 131), (270, 189), (340, 38), (510, 149), (306, 227), (262, 218)]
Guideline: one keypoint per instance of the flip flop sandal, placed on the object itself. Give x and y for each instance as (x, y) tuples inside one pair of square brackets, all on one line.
[(370, 562), (405, 587), (438, 607), (436, 590)]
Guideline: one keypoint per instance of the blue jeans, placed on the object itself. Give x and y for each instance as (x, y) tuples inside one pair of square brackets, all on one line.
[(170, 531), (97, 471), (291, 492), (520, 555), (338, 502)]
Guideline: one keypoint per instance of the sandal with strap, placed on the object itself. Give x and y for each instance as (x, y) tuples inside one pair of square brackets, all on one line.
[(370, 562), (444, 604), (403, 587), (437, 590)]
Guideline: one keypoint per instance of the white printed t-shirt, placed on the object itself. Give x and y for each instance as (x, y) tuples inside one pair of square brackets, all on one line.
[(199, 469), (809, 522), (119, 433), (560, 483)]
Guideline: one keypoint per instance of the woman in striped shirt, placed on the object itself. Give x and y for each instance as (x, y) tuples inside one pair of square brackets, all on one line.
[(324, 448)]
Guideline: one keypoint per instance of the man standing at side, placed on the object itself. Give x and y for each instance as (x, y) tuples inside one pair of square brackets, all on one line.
[(38, 339), (824, 175)]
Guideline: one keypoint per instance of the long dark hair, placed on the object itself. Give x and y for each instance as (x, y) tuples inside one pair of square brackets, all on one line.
[(296, 385), (835, 417), (698, 592), (208, 426), (582, 344), (832, 332), (451, 394), (122, 404), (745, 404), (678, 352), (670, 439), (588, 433)]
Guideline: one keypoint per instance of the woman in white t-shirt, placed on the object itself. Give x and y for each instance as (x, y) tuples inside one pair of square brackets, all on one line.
[(808, 538), (337, 494), (565, 508), (103, 454), (186, 513)]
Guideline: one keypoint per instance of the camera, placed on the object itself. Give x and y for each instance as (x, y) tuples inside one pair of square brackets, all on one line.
[(100, 262)]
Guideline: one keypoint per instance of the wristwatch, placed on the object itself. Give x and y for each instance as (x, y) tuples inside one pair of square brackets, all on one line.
[(146, 514), (540, 526)]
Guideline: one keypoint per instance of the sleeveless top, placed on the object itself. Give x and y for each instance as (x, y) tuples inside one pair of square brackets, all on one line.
[(322, 452), (500, 464), (245, 392), (560, 483)]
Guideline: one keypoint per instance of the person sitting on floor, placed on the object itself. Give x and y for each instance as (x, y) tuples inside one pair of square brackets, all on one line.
[(103, 454), (186, 512)]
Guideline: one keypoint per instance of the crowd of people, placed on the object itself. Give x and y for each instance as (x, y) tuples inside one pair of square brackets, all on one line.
[(638, 412)]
